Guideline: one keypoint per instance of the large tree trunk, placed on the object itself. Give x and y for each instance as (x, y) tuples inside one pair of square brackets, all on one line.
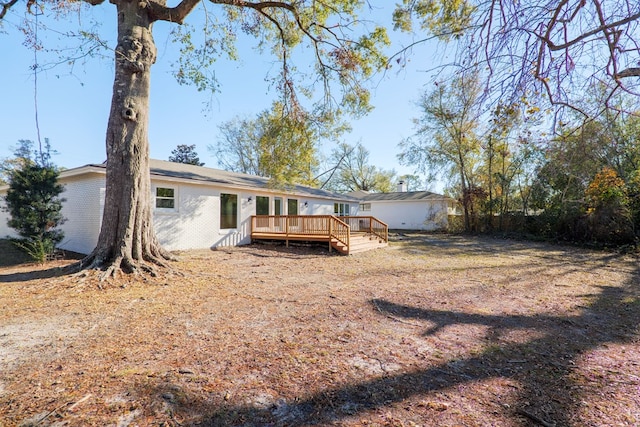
[(127, 239)]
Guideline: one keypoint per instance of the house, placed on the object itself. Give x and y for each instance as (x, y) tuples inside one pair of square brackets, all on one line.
[(408, 210), (194, 207)]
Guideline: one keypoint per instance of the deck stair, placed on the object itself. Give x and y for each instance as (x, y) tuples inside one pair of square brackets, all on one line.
[(360, 242), (347, 235)]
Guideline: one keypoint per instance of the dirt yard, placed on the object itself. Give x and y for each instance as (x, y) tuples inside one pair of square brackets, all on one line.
[(431, 331)]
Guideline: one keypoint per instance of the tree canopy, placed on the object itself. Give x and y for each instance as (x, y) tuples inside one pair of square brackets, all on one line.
[(354, 172), (276, 145)]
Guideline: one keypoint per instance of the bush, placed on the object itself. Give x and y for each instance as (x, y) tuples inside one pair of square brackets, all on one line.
[(38, 250), (609, 218)]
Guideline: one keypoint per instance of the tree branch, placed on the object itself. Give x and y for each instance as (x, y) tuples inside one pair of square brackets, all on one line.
[(285, 67), (175, 14), (259, 5), (555, 47), (262, 6), (6, 7), (629, 72)]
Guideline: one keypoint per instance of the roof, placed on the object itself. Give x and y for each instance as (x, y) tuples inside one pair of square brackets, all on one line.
[(404, 196), (358, 194), (181, 171)]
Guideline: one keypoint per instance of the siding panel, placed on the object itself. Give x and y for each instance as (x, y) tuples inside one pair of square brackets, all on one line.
[(83, 213)]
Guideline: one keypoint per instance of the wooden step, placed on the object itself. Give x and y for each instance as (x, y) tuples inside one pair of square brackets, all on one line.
[(360, 244), (365, 246)]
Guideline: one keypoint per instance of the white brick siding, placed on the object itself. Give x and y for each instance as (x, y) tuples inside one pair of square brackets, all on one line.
[(410, 215), (5, 231), (83, 212), (194, 222)]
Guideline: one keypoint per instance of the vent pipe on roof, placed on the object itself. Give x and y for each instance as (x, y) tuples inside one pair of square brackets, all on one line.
[(402, 187)]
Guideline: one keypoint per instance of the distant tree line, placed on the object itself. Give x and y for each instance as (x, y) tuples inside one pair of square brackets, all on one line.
[(574, 180)]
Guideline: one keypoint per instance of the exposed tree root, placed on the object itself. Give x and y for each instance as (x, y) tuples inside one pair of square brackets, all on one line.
[(112, 267), (535, 418)]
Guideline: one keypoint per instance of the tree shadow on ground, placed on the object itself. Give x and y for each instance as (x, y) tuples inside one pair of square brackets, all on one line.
[(279, 249), (36, 274), (11, 256), (542, 367)]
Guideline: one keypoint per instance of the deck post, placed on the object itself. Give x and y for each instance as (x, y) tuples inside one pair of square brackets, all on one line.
[(330, 232), (348, 240)]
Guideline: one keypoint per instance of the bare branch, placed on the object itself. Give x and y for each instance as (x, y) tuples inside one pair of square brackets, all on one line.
[(258, 5), (561, 49), (629, 72), (6, 7), (176, 14), (602, 28), (289, 90)]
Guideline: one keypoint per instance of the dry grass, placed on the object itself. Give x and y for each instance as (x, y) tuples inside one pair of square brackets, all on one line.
[(432, 331)]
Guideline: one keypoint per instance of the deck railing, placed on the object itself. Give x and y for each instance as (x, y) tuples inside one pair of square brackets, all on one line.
[(368, 224), (339, 230), (300, 227)]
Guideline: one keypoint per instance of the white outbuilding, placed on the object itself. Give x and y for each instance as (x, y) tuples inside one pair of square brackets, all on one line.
[(409, 210)]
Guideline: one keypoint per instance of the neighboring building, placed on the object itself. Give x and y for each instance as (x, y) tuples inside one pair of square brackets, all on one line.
[(194, 207), (408, 210)]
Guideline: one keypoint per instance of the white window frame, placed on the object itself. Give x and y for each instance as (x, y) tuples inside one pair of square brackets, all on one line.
[(156, 198), (237, 215)]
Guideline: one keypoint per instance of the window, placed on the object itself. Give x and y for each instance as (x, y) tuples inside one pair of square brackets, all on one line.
[(341, 209), (165, 198), (228, 211), (262, 205), (365, 207), (277, 206), (292, 207)]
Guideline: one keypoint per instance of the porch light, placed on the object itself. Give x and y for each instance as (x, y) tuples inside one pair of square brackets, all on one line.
[(249, 199)]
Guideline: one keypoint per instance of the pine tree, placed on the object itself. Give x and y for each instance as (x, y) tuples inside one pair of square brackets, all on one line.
[(34, 203), (185, 154)]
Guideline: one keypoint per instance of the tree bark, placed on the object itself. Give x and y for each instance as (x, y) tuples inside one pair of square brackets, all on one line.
[(127, 239)]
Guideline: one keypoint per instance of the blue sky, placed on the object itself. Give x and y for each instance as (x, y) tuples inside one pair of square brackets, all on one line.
[(73, 104)]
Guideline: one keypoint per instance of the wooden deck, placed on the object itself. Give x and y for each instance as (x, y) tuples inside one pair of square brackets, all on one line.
[(347, 235)]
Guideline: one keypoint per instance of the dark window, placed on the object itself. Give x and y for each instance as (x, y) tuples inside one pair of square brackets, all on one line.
[(228, 211), (277, 206), (341, 209), (292, 207), (262, 205)]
